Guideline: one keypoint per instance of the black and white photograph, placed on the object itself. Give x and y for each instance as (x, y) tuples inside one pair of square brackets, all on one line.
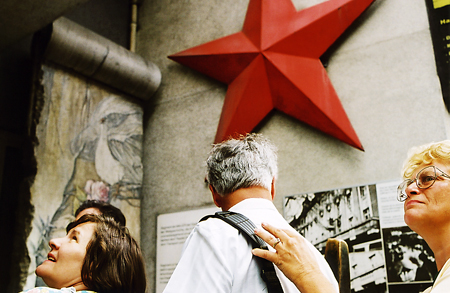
[(350, 214), (408, 257)]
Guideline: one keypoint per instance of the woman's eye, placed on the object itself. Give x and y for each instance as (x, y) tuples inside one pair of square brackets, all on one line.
[(426, 179), (74, 238)]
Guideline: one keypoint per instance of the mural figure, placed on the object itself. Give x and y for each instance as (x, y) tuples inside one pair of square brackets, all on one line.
[(113, 140)]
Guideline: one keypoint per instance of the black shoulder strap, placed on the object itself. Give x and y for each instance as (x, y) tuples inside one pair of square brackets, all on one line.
[(246, 226)]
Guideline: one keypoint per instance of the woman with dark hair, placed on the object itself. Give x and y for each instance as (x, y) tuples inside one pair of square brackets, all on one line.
[(96, 255)]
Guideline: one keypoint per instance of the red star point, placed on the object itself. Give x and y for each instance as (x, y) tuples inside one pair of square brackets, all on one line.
[(273, 63)]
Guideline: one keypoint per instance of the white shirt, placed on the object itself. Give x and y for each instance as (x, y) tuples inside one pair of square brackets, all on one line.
[(217, 259), (442, 282)]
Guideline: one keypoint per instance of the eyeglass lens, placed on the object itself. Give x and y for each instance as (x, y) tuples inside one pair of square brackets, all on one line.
[(424, 179)]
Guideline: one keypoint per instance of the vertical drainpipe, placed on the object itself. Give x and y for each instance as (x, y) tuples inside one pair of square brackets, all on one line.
[(133, 25)]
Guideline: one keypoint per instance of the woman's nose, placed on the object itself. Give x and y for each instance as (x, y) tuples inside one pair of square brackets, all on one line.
[(55, 243), (412, 189)]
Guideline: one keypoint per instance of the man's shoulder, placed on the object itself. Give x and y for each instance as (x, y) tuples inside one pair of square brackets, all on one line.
[(216, 230), (213, 224), (215, 234)]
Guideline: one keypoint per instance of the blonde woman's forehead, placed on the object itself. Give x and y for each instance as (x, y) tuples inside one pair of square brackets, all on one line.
[(441, 164)]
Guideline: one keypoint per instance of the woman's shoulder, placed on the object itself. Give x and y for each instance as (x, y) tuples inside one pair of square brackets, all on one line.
[(53, 290)]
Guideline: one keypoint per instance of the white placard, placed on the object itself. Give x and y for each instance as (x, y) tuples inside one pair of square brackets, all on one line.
[(390, 209), (172, 231)]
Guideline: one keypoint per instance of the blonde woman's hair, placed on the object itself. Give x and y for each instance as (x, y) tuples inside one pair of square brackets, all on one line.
[(425, 154)]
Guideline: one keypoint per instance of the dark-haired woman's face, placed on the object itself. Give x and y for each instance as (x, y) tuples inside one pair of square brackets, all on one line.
[(63, 265)]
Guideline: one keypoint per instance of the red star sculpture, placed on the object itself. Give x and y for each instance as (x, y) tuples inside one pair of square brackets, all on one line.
[(273, 63)]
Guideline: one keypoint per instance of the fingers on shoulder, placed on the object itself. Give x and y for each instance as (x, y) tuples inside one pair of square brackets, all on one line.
[(266, 236), (270, 256), (277, 232)]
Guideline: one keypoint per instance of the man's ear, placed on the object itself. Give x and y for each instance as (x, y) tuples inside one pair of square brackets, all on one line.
[(216, 197), (272, 189)]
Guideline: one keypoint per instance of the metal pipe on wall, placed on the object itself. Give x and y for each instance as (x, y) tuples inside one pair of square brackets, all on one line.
[(74, 46)]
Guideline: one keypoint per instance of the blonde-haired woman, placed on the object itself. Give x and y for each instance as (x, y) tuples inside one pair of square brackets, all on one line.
[(425, 192)]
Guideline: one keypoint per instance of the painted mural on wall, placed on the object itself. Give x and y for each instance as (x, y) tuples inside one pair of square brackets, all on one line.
[(89, 147), (386, 256)]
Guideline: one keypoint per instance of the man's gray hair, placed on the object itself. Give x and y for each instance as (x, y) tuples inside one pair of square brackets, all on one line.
[(246, 162)]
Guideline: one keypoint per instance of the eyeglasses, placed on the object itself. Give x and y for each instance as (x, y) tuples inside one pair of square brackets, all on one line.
[(424, 179)]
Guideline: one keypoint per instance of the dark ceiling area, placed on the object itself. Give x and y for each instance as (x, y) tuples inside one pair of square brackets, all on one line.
[(20, 19)]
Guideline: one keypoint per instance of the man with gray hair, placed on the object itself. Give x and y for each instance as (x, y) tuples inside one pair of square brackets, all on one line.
[(216, 257)]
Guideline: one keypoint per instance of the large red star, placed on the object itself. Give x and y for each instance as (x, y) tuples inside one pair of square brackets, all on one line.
[(273, 63)]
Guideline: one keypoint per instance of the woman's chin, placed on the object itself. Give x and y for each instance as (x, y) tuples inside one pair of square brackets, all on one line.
[(41, 271), (414, 220)]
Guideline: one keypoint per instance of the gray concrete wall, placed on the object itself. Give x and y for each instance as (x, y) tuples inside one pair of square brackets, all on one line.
[(382, 69)]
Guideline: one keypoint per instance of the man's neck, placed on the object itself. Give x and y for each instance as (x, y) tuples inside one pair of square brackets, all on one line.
[(244, 193)]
